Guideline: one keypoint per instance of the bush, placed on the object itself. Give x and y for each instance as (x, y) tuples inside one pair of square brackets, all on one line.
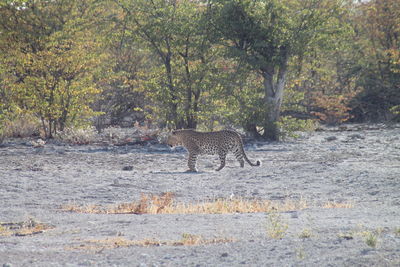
[(21, 125), (396, 111), (2, 135), (332, 109), (24, 125), (289, 126), (276, 225), (78, 136)]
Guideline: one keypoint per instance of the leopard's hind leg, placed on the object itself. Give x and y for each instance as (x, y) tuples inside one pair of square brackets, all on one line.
[(239, 156), (222, 157)]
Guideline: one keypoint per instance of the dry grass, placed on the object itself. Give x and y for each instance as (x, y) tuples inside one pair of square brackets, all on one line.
[(23, 125), (29, 227), (338, 205), (78, 136), (306, 233), (370, 236), (111, 135), (118, 242), (166, 204)]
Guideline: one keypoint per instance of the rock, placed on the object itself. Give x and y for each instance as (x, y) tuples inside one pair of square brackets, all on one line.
[(356, 136), (127, 168), (330, 138), (38, 143)]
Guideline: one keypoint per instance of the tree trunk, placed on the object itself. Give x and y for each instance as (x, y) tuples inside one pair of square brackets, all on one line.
[(190, 123), (195, 108), (172, 115), (271, 131), (274, 96)]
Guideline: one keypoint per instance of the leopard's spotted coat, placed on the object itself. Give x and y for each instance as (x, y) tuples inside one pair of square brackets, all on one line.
[(211, 143)]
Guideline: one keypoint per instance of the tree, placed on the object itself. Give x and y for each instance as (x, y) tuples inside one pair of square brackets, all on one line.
[(124, 66), (177, 35), (51, 58), (377, 24), (266, 34)]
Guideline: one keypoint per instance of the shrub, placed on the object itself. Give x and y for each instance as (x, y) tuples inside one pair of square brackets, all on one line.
[(78, 136), (332, 109), (396, 111), (276, 226), (397, 231), (371, 239), (306, 233), (21, 125), (2, 134), (289, 126)]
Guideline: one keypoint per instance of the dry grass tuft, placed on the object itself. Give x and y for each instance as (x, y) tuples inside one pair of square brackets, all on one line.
[(338, 205), (165, 204), (83, 209), (197, 240), (371, 237), (306, 233), (29, 227), (118, 242)]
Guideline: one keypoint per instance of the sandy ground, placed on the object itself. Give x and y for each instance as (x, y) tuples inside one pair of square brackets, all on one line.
[(361, 167)]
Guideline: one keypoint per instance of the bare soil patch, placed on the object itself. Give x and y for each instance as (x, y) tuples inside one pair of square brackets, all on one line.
[(346, 180)]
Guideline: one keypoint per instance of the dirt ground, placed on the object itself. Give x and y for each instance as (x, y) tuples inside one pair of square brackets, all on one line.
[(357, 165)]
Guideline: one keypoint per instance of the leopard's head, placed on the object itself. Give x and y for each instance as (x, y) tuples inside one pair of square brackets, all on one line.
[(174, 139), (180, 137)]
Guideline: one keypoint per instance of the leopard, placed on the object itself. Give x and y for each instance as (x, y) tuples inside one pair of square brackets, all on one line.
[(210, 143)]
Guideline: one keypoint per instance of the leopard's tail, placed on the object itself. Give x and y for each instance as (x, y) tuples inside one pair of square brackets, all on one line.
[(258, 162)]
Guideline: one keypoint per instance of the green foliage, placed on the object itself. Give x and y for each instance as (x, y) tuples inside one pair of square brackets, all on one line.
[(378, 27), (185, 64), (2, 130), (396, 111), (123, 72), (289, 126), (176, 34), (306, 233), (262, 29), (371, 239), (276, 226), (332, 109), (397, 231), (266, 34), (52, 61)]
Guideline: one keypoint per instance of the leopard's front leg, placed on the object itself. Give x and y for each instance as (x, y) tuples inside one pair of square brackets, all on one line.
[(192, 158)]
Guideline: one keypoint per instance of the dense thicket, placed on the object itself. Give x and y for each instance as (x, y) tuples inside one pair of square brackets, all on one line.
[(264, 65)]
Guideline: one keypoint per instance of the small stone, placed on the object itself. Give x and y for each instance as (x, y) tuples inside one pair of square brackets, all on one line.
[(224, 254), (127, 168), (356, 136), (330, 138)]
